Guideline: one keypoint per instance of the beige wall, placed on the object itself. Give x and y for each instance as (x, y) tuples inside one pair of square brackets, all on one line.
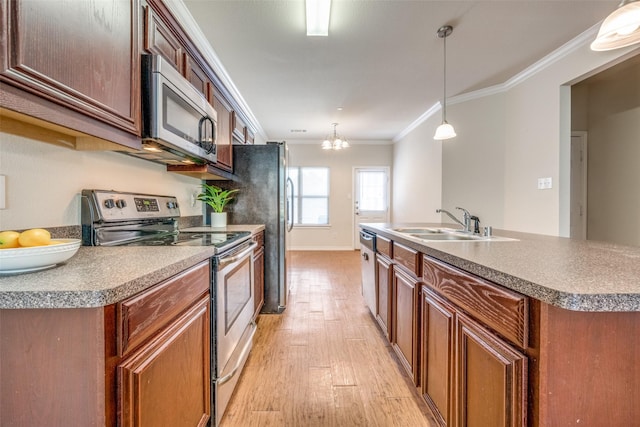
[(44, 181), (339, 235), (613, 129), (519, 132), (417, 175)]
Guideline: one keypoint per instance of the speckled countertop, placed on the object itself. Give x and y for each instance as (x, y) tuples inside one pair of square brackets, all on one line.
[(99, 276), (571, 274)]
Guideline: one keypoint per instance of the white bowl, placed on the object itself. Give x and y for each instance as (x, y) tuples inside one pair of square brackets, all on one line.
[(23, 260)]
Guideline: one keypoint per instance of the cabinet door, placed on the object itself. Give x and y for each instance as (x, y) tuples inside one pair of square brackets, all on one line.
[(197, 76), (160, 40), (437, 356), (239, 129), (383, 289), (167, 381), (223, 142), (404, 323), (491, 389), (81, 55)]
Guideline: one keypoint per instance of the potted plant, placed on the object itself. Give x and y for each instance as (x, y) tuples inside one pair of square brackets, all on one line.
[(217, 198)]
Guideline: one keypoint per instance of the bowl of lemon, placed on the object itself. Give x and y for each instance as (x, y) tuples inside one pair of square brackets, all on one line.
[(33, 250)]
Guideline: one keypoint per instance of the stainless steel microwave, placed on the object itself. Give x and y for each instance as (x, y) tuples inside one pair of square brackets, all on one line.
[(179, 126)]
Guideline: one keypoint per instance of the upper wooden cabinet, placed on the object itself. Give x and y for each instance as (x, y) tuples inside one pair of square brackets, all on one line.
[(239, 128), (225, 122), (83, 57), (160, 40)]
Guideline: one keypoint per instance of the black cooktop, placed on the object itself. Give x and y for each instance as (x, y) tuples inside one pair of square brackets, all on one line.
[(221, 240)]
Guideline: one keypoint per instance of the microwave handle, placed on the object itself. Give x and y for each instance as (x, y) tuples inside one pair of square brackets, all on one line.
[(206, 140)]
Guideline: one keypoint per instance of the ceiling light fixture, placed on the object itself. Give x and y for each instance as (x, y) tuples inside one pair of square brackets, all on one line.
[(445, 130), (621, 28), (335, 141), (318, 14)]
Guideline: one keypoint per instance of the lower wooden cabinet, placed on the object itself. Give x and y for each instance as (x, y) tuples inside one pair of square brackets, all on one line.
[(437, 365), (166, 381), (404, 336), (383, 289), (143, 361), (491, 378)]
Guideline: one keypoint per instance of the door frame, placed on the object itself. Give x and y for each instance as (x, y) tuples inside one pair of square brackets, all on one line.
[(582, 135), (356, 242)]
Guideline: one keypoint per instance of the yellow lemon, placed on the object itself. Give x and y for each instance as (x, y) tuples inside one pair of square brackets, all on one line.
[(9, 239), (34, 237)]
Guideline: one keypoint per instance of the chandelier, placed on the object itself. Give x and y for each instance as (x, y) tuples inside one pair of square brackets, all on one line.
[(335, 141)]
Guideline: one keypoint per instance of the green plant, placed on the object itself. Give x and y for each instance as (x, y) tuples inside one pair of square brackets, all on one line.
[(216, 197)]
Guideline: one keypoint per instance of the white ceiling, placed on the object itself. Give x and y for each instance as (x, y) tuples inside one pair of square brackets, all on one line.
[(382, 60)]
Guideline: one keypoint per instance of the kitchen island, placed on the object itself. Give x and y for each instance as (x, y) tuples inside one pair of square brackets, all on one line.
[(537, 331)]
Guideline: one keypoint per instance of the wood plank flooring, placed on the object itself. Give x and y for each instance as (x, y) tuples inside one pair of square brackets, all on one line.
[(324, 361)]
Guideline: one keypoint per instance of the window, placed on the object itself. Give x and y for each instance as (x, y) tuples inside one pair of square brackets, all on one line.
[(310, 195)]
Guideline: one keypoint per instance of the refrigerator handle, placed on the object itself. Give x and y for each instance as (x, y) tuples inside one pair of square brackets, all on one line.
[(289, 203)]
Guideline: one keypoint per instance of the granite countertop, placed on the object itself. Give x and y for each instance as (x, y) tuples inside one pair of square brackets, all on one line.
[(572, 274), (99, 276)]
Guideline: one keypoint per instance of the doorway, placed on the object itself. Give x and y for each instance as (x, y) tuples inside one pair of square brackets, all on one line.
[(578, 196), (371, 197)]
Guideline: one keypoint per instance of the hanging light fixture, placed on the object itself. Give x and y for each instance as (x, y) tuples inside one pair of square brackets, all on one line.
[(621, 28), (335, 141), (445, 130)]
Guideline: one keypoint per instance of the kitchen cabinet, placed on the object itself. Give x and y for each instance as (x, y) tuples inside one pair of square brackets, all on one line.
[(197, 77), (239, 129), (405, 307), (250, 136), (45, 50), (225, 123), (143, 361), (384, 281), (161, 40), (473, 339), (258, 274)]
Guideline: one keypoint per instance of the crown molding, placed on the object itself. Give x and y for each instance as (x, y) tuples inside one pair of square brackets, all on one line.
[(550, 59)]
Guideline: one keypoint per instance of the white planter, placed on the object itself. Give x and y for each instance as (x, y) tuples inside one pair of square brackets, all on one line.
[(218, 219)]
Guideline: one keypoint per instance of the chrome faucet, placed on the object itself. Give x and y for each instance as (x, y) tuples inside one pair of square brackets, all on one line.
[(466, 218)]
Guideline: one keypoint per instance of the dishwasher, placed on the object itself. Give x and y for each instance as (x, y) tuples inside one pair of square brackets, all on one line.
[(367, 259)]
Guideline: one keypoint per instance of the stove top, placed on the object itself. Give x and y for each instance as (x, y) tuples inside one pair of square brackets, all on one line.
[(220, 239)]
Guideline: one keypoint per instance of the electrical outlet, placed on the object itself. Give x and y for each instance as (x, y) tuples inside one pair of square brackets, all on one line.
[(545, 183), (3, 192)]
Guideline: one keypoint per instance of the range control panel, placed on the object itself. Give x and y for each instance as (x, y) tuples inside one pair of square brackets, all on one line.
[(119, 206)]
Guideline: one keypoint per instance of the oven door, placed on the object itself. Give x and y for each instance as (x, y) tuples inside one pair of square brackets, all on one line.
[(233, 299)]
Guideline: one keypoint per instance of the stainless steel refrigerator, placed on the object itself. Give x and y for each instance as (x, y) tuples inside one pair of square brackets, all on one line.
[(265, 197)]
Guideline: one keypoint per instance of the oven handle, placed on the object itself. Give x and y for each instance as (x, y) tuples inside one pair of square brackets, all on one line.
[(243, 355), (224, 261)]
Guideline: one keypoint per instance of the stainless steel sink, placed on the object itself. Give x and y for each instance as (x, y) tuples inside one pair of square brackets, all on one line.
[(437, 234), (445, 236)]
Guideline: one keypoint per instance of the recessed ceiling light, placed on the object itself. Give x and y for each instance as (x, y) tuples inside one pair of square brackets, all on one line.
[(340, 108)]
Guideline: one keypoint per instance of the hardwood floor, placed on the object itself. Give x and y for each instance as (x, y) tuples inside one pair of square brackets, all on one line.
[(324, 361)]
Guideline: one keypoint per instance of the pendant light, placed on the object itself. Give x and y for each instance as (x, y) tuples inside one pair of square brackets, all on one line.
[(621, 28), (335, 141), (445, 130)]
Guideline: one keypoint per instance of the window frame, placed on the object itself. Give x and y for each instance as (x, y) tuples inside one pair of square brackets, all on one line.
[(298, 197)]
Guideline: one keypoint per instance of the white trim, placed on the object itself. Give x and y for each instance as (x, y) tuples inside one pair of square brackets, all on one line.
[(185, 19), (564, 50)]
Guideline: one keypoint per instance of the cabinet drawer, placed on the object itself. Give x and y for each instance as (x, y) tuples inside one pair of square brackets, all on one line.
[(384, 246), (502, 310), (407, 257), (142, 315)]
